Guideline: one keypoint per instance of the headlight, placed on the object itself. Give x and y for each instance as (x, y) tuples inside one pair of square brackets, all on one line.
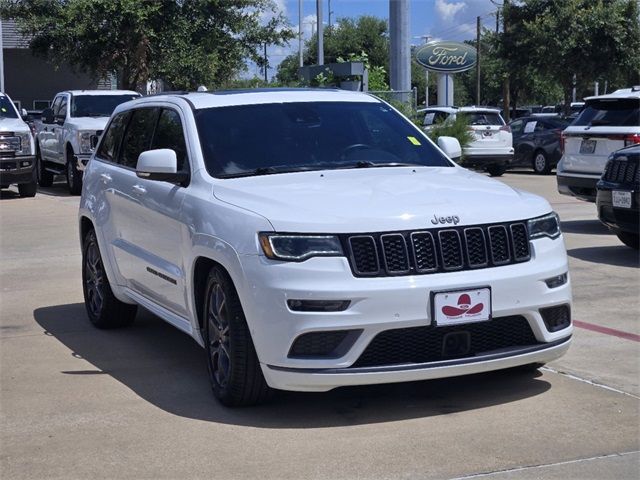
[(84, 140), (25, 143), (296, 248), (545, 226)]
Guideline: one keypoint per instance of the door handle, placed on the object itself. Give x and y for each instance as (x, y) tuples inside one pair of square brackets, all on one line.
[(139, 189), (106, 178)]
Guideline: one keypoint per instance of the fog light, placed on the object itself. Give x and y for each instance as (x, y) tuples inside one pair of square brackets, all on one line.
[(26, 163), (556, 318), (318, 305), (557, 281)]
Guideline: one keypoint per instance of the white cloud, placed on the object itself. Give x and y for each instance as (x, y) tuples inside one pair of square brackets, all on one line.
[(446, 11)]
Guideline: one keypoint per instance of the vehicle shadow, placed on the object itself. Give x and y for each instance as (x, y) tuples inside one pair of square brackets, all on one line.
[(167, 368), (58, 189), (584, 227), (8, 194), (619, 255)]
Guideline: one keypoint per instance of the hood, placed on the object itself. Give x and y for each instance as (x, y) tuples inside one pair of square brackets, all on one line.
[(378, 199), (13, 125), (88, 123)]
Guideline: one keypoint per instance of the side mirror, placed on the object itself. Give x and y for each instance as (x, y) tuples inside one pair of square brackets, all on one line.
[(160, 165), (451, 147), (23, 113), (47, 115)]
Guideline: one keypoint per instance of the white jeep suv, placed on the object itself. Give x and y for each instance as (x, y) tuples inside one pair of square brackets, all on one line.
[(334, 245), (606, 124)]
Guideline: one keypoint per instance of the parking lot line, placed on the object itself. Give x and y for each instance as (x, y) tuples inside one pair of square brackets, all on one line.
[(607, 331)]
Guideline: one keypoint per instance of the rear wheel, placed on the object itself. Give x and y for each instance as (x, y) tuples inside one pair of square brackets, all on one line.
[(496, 170), (629, 239), (45, 178), (540, 163), (234, 370), (74, 176), (103, 308)]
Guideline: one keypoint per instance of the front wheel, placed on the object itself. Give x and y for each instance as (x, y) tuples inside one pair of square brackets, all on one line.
[(45, 178), (103, 308), (28, 189), (629, 239), (540, 163), (496, 170), (74, 176), (234, 370)]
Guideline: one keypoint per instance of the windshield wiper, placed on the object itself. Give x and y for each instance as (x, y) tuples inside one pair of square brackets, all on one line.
[(268, 171), (370, 164)]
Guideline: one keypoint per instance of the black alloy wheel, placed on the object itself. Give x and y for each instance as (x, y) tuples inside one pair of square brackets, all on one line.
[(234, 370), (103, 308)]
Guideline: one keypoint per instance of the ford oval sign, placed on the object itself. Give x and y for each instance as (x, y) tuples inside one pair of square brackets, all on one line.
[(447, 57)]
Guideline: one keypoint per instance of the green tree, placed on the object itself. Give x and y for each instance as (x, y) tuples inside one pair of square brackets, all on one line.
[(346, 37), (184, 42), (593, 39)]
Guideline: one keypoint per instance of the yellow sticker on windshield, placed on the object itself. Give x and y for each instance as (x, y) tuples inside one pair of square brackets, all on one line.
[(414, 140)]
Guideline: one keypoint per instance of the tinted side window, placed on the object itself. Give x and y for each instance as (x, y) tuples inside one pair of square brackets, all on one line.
[(137, 138), (56, 104), (169, 134), (111, 139), (516, 127), (62, 109)]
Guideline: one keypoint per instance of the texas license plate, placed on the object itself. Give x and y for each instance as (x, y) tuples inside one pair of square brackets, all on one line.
[(587, 146), (461, 306), (621, 199)]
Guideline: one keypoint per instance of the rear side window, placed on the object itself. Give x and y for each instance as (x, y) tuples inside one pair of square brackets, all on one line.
[(137, 138), (484, 118), (169, 134), (431, 118), (618, 112), (111, 140)]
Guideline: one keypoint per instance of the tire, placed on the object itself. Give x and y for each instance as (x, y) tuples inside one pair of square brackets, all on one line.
[(234, 370), (496, 170), (45, 178), (103, 308), (540, 163), (28, 189), (74, 176), (629, 239)]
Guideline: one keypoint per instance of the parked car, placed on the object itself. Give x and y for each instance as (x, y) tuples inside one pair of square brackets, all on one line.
[(69, 131), (491, 149), (536, 142), (17, 161), (618, 197), (335, 245), (607, 123)]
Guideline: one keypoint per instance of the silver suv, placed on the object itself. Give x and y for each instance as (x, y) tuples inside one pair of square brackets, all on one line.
[(607, 123)]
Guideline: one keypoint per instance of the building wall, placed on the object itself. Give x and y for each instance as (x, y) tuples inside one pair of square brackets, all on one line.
[(28, 78)]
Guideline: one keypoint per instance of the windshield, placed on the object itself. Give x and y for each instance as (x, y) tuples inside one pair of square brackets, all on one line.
[(97, 105), (285, 137), (615, 112), (6, 108)]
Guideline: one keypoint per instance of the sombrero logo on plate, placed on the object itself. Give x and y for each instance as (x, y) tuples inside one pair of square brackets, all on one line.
[(464, 308)]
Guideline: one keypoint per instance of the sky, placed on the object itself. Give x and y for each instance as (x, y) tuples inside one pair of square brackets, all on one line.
[(441, 19)]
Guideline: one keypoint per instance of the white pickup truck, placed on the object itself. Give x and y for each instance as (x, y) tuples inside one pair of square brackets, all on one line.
[(69, 132)]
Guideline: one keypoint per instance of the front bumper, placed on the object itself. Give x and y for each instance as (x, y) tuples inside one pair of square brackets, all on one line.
[(379, 304), (618, 219), (16, 170), (582, 186)]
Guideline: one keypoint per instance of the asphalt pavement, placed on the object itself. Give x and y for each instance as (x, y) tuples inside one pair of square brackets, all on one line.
[(76, 402)]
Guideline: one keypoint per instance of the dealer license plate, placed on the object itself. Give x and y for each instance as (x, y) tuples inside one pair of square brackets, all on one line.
[(461, 306), (587, 146), (621, 199)]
